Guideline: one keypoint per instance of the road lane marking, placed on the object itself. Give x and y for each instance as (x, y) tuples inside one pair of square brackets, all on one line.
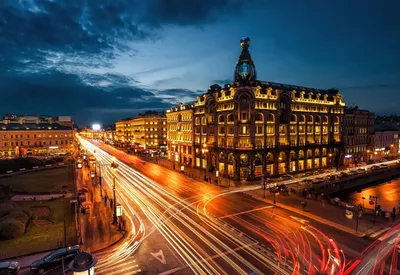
[(387, 235), (230, 251), (245, 212), (394, 240), (159, 256), (379, 232), (126, 264), (299, 220)]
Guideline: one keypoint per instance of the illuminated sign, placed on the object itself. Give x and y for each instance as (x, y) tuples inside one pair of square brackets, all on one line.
[(119, 210)]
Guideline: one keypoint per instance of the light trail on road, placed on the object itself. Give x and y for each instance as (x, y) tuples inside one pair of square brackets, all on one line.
[(289, 239), (200, 241)]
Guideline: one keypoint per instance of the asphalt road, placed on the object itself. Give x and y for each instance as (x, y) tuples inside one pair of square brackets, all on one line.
[(195, 227)]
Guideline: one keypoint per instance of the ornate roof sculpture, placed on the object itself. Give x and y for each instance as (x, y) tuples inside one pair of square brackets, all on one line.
[(245, 71)]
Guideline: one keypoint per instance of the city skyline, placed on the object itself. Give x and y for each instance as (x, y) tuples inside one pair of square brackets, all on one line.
[(106, 62)]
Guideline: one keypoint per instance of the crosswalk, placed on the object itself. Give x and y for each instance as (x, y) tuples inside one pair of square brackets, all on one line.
[(385, 234), (127, 266)]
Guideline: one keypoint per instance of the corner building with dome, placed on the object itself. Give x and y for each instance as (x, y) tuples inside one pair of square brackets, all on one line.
[(251, 128)]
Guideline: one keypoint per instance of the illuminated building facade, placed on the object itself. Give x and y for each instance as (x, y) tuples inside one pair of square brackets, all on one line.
[(358, 136), (386, 141), (35, 135), (146, 131), (180, 134), (255, 128)]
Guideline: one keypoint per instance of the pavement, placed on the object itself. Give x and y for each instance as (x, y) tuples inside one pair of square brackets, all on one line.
[(97, 231)]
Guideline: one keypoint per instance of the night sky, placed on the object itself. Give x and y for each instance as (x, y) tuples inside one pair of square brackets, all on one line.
[(99, 61)]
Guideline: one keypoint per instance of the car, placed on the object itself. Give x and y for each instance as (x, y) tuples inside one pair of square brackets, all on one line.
[(55, 259), (374, 168), (383, 166), (9, 267), (361, 171)]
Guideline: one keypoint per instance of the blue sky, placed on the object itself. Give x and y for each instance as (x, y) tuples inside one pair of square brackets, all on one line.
[(104, 60)]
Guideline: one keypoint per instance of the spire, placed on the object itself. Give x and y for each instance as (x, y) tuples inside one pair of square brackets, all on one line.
[(245, 71)]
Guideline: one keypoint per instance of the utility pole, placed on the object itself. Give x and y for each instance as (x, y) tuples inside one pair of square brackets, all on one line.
[(65, 234), (100, 183), (114, 203), (358, 217), (376, 207)]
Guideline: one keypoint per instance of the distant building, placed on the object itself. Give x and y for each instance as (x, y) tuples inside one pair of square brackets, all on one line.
[(180, 135), (108, 133), (358, 135), (251, 128), (35, 135), (145, 131), (386, 142)]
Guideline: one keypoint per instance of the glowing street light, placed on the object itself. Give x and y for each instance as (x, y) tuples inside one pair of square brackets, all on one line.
[(96, 127)]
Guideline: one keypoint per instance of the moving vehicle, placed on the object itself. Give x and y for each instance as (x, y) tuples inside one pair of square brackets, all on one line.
[(9, 267), (55, 259)]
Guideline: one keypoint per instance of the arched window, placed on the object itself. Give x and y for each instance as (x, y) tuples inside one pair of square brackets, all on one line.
[(292, 155), (270, 118), (301, 154), (230, 158), (244, 108), (197, 121), (302, 119), (317, 152), (259, 117), (230, 118), (221, 119), (310, 119), (325, 119), (309, 153), (221, 157), (318, 119), (324, 151), (293, 118), (244, 160)]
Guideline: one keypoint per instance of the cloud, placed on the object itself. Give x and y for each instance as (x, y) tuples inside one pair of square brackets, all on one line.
[(44, 34), (222, 82), (58, 93)]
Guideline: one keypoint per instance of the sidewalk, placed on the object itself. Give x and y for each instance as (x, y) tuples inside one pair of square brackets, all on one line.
[(196, 173), (325, 213), (97, 231)]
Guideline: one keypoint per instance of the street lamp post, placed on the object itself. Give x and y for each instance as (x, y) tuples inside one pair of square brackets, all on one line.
[(204, 152), (114, 166), (363, 198), (358, 212)]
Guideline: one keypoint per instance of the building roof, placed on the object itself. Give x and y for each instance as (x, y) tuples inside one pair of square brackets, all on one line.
[(32, 126), (384, 128)]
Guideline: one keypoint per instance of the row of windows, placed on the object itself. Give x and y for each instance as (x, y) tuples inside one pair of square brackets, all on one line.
[(269, 129), (259, 117), (147, 122), (21, 143), (35, 136)]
